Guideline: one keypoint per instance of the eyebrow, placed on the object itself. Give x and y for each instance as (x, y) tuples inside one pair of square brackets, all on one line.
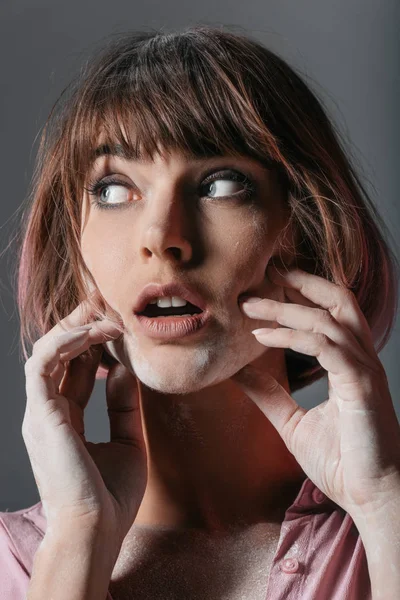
[(118, 151)]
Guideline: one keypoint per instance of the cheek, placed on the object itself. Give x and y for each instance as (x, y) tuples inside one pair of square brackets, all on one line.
[(103, 256), (252, 250)]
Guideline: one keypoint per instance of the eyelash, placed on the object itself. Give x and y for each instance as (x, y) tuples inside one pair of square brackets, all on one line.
[(96, 186)]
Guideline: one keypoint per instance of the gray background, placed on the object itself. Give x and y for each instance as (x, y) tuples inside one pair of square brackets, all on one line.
[(348, 49)]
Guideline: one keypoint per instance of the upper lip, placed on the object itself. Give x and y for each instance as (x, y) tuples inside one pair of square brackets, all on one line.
[(155, 290)]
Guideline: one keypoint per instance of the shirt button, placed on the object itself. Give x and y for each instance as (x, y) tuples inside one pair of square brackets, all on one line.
[(318, 496), (289, 565)]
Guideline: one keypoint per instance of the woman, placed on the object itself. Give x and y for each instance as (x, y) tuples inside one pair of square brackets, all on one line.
[(200, 162)]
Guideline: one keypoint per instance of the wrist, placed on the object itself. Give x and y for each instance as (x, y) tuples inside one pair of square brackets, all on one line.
[(73, 563), (89, 536), (380, 534), (385, 498)]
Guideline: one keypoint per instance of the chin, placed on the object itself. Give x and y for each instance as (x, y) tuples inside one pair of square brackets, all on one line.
[(207, 365)]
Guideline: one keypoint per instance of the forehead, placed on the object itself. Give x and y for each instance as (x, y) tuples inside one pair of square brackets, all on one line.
[(117, 151), (133, 154), (124, 138)]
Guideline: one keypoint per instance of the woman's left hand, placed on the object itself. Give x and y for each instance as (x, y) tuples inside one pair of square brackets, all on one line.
[(349, 445)]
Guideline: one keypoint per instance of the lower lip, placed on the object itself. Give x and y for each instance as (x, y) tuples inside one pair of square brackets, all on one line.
[(165, 328)]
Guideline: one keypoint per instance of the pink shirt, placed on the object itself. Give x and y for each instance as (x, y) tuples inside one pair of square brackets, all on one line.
[(320, 554)]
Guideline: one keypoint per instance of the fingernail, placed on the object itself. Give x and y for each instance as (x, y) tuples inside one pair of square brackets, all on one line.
[(252, 299), (263, 331)]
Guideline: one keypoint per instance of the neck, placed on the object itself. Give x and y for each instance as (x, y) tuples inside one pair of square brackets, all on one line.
[(215, 461)]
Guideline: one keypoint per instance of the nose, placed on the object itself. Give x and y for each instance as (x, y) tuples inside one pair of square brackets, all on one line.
[(168, 227)]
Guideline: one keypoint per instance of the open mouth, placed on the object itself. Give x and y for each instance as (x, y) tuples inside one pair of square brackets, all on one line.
[(152, 310)]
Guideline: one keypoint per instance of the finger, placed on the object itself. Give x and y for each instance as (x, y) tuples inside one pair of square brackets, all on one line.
[(81, 315), (58, 373), (355, 380), (77, 384), (50, 352), (338, 300), (304, 318), (272, 399), (123, 406), (40, 386), (298, 298), (79, 376)]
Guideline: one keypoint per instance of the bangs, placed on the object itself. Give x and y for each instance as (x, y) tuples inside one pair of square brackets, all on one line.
[(203, 92), (168, 95)]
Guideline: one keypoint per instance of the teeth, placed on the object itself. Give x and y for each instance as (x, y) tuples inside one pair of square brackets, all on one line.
[(175, 316), (165, 302)]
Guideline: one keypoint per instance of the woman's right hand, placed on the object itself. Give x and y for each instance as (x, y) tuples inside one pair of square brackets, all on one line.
[(81, 483)]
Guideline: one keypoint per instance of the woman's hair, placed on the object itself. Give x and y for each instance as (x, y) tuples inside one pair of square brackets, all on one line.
[(203, 91)]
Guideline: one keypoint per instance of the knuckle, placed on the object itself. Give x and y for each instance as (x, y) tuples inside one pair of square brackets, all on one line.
[(45, 341), (43, 346), (37, 344), (324, 316), (324, 340), (348, 296), (347, 300), (28, 367), (26, 429), (32, 364), (37, 349)]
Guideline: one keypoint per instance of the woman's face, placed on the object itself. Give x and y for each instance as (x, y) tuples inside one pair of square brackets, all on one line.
[(225, 238)]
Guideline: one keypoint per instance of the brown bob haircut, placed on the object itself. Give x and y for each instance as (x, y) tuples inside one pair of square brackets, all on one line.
[(203, 91)]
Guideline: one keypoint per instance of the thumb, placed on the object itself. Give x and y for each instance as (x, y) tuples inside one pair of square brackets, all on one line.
[(123, 406), (272, 399)]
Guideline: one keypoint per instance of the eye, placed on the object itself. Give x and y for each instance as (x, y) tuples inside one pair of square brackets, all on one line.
[(228, 184), (114, 193), (110, 193), (222, 187)]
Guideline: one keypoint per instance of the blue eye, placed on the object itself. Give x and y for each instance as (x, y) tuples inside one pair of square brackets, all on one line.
[(97, 188), (229, 177)]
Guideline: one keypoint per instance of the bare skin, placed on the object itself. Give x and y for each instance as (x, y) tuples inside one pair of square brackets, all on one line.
[(216, 464), (168, 565)]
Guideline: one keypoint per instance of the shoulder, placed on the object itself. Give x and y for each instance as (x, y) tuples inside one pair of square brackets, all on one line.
[(21, 532)]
